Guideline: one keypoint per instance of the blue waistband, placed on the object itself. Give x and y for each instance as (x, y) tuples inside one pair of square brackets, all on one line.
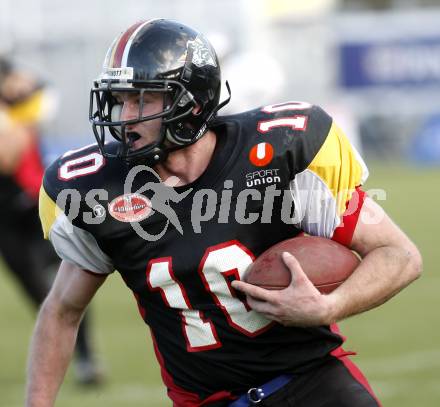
[(256, 394)]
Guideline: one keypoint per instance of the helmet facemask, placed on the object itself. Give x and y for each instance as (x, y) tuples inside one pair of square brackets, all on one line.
[(178, 105)]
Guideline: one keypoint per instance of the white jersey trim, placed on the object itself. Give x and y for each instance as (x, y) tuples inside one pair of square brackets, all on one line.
[(316, 210), (78, 246)]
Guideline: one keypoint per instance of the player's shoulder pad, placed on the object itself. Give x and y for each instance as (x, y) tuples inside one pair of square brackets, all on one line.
[(82, 169), (69, 179), (298, 129)]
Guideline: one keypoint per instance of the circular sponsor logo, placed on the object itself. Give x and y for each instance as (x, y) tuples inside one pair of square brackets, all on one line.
[(130, 208), (98, 211), (261, 154)]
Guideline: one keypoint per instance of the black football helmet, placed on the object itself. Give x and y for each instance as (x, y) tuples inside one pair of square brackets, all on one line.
[(157, 56)]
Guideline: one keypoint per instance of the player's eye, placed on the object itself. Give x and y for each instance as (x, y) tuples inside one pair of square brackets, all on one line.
[(148, 99), (119, 97), (122, 97)]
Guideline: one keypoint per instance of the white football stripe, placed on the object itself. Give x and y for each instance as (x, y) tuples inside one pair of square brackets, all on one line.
[(130, 41)]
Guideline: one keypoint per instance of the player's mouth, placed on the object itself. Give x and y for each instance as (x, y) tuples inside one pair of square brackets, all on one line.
[(133, 138)]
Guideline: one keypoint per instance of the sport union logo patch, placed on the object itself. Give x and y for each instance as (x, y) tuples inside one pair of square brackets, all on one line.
[(130, 208), (261, 154)]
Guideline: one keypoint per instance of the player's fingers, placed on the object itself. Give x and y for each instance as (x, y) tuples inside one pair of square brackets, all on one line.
[(252, 290), (262, 307), (298, 275)]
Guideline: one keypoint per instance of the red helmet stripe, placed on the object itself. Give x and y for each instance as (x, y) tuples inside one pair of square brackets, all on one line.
[(119, 47)]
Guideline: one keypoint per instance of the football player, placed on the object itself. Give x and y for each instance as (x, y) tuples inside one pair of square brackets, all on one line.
[(232, 187), (30, 258)]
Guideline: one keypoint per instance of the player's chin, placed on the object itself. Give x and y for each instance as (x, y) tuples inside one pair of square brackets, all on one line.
[(139, 144)]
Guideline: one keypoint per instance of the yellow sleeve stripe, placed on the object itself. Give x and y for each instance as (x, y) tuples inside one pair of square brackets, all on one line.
[(48, 212), (337, 164)]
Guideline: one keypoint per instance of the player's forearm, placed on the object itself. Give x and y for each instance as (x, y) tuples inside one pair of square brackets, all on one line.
[(51, 350), (382, 273)]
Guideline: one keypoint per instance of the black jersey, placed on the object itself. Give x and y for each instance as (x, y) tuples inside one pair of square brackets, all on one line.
[(275, 172)]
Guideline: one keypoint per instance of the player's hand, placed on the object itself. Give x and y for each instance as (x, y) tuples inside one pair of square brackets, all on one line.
[(299, 304)]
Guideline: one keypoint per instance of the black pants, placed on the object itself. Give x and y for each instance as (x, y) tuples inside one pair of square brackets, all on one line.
[(33, 262), (337, 383)]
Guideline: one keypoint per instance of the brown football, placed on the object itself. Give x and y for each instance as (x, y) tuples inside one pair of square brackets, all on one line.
[(326, 263)]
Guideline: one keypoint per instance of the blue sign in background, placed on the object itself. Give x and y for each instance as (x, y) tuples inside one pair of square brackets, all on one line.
[(390, 63), (425, 146)]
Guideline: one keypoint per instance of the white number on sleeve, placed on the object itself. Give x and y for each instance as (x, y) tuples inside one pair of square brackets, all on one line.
[(78, 167), (295, 122)]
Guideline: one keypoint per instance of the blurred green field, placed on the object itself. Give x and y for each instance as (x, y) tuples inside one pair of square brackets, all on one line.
[(398, 344)]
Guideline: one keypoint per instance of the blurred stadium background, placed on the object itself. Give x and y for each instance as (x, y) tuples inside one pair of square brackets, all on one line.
[(375, 64)]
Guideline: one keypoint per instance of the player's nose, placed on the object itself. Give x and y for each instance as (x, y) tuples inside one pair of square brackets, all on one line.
[(130, 110)]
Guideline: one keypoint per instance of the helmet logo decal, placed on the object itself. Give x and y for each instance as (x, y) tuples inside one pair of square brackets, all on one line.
[(261, 154), (202, 53), (130, 208)]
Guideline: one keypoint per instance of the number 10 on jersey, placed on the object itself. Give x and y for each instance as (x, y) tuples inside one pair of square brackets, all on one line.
[(218, 264)]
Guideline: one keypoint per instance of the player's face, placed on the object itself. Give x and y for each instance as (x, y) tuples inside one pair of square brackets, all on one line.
[(143, 133)]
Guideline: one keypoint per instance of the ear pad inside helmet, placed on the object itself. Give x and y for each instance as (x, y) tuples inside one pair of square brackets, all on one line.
[(116, 112)]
